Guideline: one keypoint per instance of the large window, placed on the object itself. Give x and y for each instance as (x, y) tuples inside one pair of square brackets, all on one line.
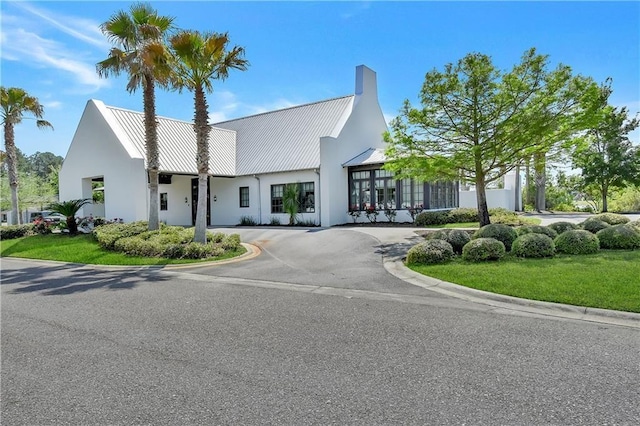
[(306, 197), (390, 193), (244, 196)]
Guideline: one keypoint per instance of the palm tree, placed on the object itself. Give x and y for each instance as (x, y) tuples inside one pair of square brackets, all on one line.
[(15, 103), (141, 52), (69, 209), (201, 58)]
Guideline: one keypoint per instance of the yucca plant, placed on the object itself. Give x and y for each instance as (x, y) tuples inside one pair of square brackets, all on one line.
[(69, 209)]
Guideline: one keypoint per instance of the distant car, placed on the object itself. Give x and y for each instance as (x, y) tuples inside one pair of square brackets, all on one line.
[(47, 216)]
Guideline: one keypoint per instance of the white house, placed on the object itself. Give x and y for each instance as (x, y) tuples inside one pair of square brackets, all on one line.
[(333, 149)]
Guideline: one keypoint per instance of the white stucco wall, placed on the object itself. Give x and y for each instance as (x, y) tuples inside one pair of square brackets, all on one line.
[(362, 130), (178, 201), (504, 198), (226, 210), (96, 151)]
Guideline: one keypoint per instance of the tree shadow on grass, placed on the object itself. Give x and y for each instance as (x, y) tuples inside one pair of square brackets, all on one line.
[(68, 279)]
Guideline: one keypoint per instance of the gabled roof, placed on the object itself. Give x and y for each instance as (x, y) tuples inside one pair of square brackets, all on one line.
[(286, 139), (177, 144)]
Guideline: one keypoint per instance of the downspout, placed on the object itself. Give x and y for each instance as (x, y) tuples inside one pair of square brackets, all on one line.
[(318, 198), (259, 201)]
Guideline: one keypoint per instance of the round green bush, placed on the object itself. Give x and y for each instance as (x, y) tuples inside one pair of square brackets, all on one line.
[(438, 234), (463, 215), (500, 232), (432, 217), (430, 252), (619, 237), (612, 218), (536, 229), (561, 227), (533, 245), (456, 237), (483, 249), (577, 241), (594, 225)]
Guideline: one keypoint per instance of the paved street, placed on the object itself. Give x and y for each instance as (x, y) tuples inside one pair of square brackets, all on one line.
[(312, 331)]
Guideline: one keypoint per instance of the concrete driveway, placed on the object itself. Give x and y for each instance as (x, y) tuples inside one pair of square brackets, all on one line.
[(312, 331)]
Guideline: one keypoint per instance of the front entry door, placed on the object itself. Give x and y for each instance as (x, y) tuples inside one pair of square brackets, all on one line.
[(194, 201)]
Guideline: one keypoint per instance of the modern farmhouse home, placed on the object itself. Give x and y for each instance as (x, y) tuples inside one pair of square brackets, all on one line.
[(333, 150)]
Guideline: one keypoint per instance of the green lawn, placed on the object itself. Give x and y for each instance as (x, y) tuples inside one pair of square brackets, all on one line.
[(83, 249), (608, 279)]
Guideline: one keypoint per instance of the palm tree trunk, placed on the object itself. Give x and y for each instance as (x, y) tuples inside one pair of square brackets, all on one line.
[(202, 129), (153, 162), (12, 165)]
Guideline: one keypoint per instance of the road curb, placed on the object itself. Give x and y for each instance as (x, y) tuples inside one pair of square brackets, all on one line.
[(397, 268)]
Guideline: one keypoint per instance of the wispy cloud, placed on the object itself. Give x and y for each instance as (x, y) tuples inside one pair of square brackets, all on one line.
[(355, 9), (226, 106), (20, 45), (82, 29)]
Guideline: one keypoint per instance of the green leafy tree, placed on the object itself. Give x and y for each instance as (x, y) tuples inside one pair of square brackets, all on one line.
[(69, 210), (606, 156), (16, 103), (41, 163), (202, 58), (477, 123), (140, 51)]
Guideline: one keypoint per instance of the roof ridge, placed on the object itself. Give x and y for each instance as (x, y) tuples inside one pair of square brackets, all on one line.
[(282, 109)]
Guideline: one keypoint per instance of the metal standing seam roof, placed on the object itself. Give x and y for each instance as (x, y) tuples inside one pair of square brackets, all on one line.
[(286, 139), (177, 144)]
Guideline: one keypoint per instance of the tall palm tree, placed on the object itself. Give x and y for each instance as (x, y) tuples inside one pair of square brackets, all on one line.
[(201, 58), (15, 103), (140, 51)]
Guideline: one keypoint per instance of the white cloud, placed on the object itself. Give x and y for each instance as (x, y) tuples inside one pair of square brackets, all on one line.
[(27, 47), (226, 106), (79, 28), (52, 104)]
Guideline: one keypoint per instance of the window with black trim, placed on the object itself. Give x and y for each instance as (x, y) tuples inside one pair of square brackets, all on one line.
[(276, 198), (306, 197), (244, 196), (164, 201)]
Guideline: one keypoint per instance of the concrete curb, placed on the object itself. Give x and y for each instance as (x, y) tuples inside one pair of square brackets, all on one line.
[(605, 316)]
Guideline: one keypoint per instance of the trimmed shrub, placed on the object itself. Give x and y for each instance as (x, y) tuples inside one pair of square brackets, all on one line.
[(108, 234), (612, 218), (230, 242), (561, 227), (248, 221), (483, 249), (536, 229), (216, 237), (533, 245), (430, 252), (17, 231), (432, 217), (500, 232), (511, 219), (456, 237), (594, 225), (577, 241), (463, 215), (619, 237)]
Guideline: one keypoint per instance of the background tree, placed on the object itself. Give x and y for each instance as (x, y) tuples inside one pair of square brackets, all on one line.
[(606, 156), (15, 104), (140, 51), (479, 122), (41, 163), (201, 58)]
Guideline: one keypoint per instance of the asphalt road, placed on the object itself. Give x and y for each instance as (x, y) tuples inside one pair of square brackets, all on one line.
[(313, 331)]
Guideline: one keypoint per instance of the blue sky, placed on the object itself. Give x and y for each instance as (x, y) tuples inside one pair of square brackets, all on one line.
[(303, 52)]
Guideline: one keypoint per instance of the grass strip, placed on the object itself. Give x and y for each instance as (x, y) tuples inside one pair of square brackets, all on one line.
[(608, 279), (84, 249)]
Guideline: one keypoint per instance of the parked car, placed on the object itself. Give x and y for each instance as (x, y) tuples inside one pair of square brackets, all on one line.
[(47, 216)]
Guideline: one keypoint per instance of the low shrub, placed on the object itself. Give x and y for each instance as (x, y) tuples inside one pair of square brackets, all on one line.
[(248, 221), (274, 221), (511, 219), (483, 249), (463, 215), (577, 241), (561, 227), (216, 237), (231, 242), (594, 225), (430, 252), (108, 234), (17, 231), (456, 237), (533, 245), (432, 217), (536, 229), (500, 232), (619, 237), (612, 218), (439, 234)]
